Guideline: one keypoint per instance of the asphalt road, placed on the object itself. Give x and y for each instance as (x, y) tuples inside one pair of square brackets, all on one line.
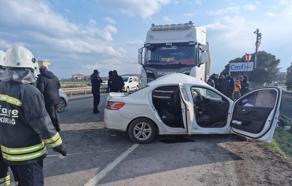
[(99, 156)]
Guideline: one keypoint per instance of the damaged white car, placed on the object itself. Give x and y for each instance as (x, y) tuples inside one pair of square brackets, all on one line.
[(180, 104)]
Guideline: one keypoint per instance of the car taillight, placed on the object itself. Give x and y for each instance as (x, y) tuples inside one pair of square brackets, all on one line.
[(112, 105)]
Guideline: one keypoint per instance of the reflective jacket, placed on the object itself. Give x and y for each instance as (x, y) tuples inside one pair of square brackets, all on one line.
[(25, 126)]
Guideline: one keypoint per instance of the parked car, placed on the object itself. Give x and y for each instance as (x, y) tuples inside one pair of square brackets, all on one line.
[(180, 104), (131, 83), (63, 101)]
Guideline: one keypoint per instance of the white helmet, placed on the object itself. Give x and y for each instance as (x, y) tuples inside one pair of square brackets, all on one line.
[(2, 54), (20, 57)]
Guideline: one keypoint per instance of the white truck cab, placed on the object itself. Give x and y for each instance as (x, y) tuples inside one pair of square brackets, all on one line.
[(175, 48)]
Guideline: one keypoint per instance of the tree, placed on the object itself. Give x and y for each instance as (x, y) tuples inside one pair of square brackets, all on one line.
[(266, 71), (289, 77)]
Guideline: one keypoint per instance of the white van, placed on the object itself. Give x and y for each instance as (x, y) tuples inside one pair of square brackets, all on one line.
[(131, 83)]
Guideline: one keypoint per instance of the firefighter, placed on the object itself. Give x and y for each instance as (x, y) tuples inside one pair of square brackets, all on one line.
[(26, 129), (4, 177)]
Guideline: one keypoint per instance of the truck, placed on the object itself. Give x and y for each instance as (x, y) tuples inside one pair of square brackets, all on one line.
[(175, 48)]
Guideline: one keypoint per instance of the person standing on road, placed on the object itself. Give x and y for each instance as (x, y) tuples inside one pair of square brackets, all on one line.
[(244, 85), (95, 89), (211, 80), (117, 82), (229, 85), (4, 176), (237, 88), (110, 81), (49, 85), (25, 126)]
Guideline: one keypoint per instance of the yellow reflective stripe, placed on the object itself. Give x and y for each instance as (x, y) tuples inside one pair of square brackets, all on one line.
[(52, 139), (10, 100), (24, 157), (23, 150), (55, 144), (5, 181)]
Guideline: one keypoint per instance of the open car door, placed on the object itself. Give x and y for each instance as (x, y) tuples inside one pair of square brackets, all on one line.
[(255, 115), (187, 109)]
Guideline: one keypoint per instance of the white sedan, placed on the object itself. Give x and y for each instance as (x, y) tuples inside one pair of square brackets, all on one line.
[(180, 104)]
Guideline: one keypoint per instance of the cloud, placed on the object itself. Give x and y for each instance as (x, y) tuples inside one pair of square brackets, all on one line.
[(137, 42), (142, 8), (250, 7), (110, 20), (167, 19), (224, 11), (233, 10), (284, 8), (38, 21)]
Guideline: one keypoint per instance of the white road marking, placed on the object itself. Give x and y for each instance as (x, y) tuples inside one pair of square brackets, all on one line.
[(94, 181)]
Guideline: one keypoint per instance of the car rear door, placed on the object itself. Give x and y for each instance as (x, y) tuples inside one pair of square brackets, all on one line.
[(187, 109), (255, 115)]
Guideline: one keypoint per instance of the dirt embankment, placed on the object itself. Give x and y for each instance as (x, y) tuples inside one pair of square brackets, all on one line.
[(260, 166)]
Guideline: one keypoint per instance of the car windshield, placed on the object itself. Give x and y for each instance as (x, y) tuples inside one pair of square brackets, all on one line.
[(171, 55), (125, 78)]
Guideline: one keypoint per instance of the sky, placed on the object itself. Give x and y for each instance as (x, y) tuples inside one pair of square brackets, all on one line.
[(77, 36)]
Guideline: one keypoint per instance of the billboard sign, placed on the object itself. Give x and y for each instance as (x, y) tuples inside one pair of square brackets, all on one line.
[(241, 67)]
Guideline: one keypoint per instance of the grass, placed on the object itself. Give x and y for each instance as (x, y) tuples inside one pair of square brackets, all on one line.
[(282, 142)]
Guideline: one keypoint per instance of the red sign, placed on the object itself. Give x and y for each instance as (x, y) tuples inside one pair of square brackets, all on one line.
[(247, 57)]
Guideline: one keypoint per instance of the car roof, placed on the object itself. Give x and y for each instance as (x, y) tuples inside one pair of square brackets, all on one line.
[(176, 78)]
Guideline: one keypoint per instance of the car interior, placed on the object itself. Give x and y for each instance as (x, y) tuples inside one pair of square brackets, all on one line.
[(211, 109), (167, 102), (251, 112)]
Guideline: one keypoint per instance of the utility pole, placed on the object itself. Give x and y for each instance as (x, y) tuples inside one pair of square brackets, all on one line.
[(257, 44)]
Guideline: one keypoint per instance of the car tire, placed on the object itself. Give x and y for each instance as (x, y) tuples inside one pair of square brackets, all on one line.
[(146, 127), (61, 106)]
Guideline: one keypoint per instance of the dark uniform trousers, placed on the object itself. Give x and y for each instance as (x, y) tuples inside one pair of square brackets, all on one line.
[(52, 111), (4, 178), (96, 100), (29, 174)]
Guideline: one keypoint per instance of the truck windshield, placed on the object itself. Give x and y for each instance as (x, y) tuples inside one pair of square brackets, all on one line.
[(172, 55)]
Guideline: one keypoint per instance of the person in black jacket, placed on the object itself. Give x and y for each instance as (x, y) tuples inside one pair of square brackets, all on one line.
[(26, 129), (110, 81), (244, 85), (117, 82), (95, 88), (49, 85)]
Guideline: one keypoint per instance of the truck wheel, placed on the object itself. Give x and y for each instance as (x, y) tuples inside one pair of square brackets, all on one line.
[(142, 130)]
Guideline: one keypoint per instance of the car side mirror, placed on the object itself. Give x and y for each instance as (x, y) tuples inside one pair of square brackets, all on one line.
[(140, 56)]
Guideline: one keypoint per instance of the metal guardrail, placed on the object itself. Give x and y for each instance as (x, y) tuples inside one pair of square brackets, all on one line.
[(82, 90)]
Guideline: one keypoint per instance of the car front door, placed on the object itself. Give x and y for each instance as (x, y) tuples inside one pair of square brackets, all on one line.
[(255, 115), (187, 109)]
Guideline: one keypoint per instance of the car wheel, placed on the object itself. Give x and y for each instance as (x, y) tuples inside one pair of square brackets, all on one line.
[(61, 106), (142, 130)]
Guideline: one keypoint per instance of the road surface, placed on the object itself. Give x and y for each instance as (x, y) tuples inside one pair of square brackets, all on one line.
[(99, 156)]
